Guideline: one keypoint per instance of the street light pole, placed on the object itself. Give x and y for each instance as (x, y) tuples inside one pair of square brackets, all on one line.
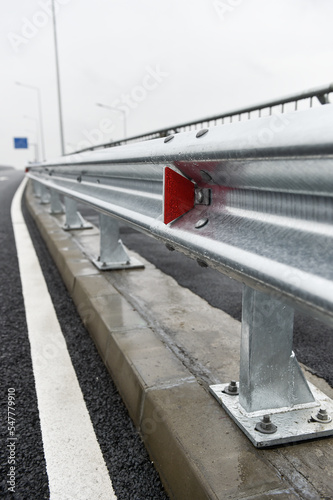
[(36, 150), (40, 115), (58, 80), (115, 109), (35, 144)]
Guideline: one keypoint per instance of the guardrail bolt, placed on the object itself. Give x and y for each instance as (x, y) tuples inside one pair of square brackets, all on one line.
[(266, 426), (205, 176), (322, 416), (202, 132), (201, 223), (231, 389), (202, 196), (199, 196), (169, 247), (169, 138)]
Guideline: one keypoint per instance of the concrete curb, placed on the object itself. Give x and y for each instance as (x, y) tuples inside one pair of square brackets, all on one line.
[(162, 346)]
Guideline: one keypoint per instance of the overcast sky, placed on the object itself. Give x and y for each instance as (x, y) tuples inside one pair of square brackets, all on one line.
[(161, 62)]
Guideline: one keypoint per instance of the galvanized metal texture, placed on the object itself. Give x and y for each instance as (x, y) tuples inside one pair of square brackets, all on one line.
[(292, 424), (270, 376), (56, 205), (113, 254), (269, 221), (74, 219)]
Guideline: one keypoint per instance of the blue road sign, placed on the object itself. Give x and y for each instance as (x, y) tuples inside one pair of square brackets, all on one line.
[(20, 143)]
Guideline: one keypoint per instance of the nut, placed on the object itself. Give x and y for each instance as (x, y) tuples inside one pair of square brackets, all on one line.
[(322, 416), (231, 389), (265, 426)]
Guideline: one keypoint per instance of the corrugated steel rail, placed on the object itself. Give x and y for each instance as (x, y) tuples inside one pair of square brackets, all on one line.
[(255, 200)]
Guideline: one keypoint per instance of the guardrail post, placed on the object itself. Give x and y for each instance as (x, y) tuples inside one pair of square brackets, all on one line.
[(74, 219), (37, 187), (56, 205), (270, 376), (113, 254), (45, 195), (273, 402)]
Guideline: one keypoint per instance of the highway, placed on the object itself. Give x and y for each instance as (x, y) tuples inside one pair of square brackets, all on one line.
[(128, 467)]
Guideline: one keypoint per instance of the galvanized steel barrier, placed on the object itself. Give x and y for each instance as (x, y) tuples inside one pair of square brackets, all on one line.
[(251, 199)]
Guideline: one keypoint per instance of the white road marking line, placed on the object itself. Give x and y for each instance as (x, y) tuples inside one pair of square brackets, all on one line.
[(75, 465)]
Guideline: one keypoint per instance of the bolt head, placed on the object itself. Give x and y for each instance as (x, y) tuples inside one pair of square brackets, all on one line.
[(233, 386), (231, 389), (265, 426), (205, 176), (323, 415), (201, 223), (200, 196), (202, 132), (169, 138)]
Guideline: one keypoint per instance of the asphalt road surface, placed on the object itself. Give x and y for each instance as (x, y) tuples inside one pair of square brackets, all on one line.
[(132, 474)]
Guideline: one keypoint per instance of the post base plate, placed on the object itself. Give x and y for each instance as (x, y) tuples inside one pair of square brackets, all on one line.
[(293, 424)]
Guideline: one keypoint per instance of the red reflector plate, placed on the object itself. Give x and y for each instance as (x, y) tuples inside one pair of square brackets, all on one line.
[(178, 195)]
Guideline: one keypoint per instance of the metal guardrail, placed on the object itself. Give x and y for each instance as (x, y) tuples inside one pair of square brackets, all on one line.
[(285, 104), (251, 199)]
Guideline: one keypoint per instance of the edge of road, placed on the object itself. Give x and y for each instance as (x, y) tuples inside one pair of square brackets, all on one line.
[(84, 471), (163, 346)]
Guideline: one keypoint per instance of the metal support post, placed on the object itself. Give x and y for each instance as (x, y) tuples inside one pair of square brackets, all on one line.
[(270, 376), (113, 254), (74, 219), (275, 402), (45, 195), (37, 187), (56, 205)]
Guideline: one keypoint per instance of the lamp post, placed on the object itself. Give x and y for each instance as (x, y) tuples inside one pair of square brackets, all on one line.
[(36, 150), (115, 109), (35, 144), (58, 80), (39, 114)]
